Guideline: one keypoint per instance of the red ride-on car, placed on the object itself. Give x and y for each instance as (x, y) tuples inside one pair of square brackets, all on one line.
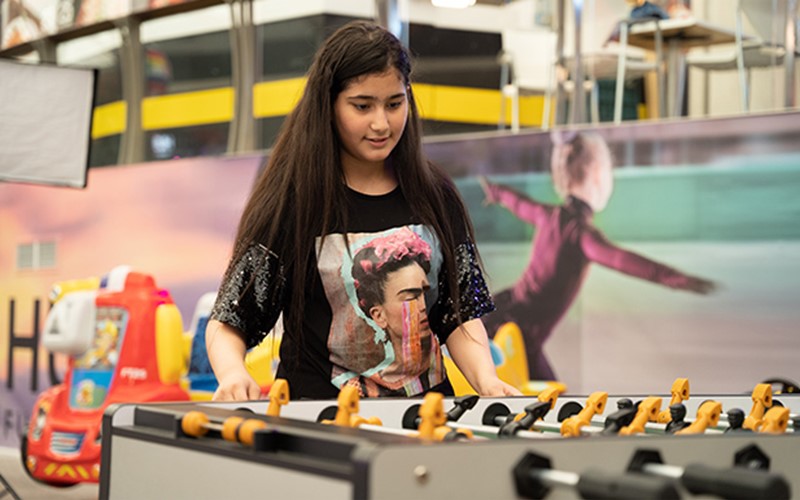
[(123, 336)]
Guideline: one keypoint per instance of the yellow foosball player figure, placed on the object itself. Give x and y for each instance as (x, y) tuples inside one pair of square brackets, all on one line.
[(647, 412), (762, 401), (679, 394), (776, 420), (707, 416), (433, 420), (595, 405), (347, 413), (278, 397)]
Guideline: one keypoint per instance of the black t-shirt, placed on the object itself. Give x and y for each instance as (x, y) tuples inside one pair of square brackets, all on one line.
[(376, 315)]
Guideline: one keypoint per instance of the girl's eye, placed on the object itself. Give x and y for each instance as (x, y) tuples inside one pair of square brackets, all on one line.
[(395, 105), (361, 107)]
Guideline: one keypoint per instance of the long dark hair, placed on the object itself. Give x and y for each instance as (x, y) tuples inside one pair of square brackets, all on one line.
[(302, 191)]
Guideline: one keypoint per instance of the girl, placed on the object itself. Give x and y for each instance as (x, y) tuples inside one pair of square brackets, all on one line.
[(347, 169), (566, 242)]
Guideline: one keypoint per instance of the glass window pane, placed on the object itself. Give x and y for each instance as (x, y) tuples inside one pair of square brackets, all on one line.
[(105, 151), (456, 58), (287, 48), (188, 51), (195, 63), (102, 52), (185, 142), (188, 84)]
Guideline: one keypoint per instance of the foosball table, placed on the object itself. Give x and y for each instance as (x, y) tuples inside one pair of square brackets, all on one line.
[(548, 446)]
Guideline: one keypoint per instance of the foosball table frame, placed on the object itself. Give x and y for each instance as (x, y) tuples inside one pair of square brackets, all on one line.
[(145, 454)]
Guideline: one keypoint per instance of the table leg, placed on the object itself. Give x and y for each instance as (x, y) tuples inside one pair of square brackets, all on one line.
[(791, 49), (676, 78)]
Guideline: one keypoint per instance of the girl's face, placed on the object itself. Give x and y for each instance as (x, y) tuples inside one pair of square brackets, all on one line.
[(371, 114)]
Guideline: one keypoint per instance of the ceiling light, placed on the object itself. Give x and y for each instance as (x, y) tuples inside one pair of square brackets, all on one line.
[(453, 4)]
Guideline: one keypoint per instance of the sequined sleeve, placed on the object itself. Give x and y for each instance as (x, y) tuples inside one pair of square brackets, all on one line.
[(475, 299), (251, 297)]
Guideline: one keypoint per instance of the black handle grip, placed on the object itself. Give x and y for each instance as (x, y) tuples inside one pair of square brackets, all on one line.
[(603, 485), (734, 483)]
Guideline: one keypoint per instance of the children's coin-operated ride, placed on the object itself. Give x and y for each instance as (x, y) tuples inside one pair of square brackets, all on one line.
[(125, 342), (124, 338), (261, 361)]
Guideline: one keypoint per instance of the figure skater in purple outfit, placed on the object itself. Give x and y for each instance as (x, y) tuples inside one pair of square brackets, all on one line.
[(566, 242)]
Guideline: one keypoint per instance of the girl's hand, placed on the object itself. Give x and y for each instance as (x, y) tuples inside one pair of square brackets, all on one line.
[(226, 351), (469, 347), (238, 386), (496, 387)]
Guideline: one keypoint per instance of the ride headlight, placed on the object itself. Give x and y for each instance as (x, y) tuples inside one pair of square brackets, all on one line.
[(38, 423)]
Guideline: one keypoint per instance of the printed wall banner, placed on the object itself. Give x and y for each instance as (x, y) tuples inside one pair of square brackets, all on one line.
[(173, 221), (689, 271)]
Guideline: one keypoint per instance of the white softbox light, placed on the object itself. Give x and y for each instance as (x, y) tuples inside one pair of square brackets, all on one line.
[(45, 123)]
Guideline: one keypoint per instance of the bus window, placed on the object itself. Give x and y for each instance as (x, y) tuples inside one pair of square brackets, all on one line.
[(93, 372)]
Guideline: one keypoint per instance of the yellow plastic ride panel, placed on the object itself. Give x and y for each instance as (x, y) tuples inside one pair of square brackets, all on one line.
[(512, 367)]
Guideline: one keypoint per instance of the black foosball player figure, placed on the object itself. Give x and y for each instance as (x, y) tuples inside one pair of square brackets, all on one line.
[(678, 414), (626, 410), (624, 404), (736, 420)]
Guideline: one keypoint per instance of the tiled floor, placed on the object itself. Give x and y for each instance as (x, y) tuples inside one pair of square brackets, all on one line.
[(27, 489)]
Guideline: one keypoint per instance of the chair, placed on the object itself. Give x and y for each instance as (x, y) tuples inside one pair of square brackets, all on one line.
[(525, 73), (765, 49), (623, 64)]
